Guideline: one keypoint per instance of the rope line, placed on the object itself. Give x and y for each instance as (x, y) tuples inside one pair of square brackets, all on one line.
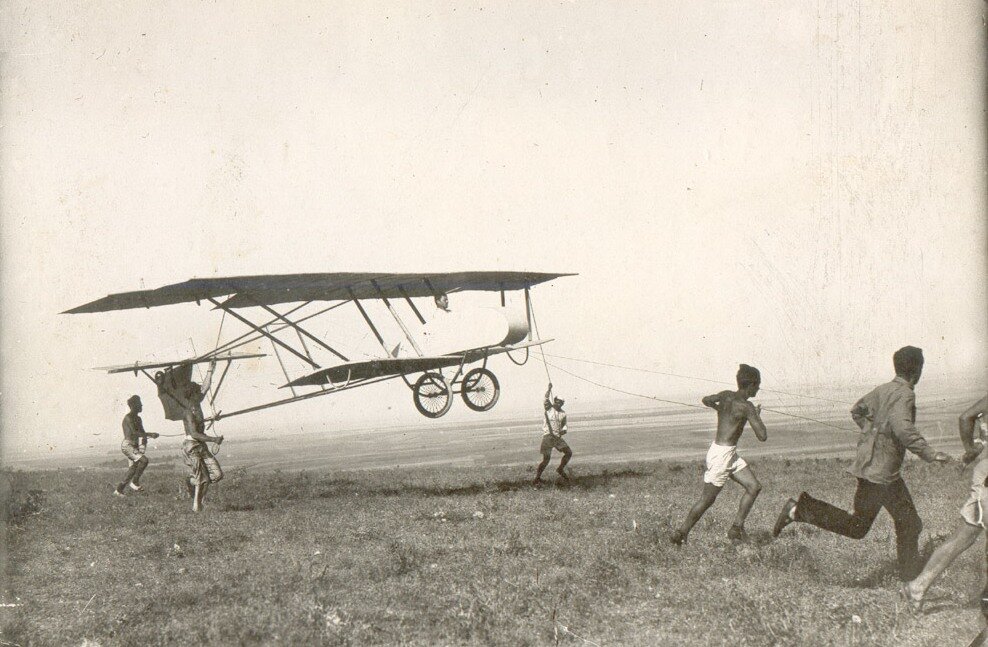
[(686, 404), (535, 322), (693, 377), (611, 388)]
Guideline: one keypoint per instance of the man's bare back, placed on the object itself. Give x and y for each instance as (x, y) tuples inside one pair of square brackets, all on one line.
[(733, 411)]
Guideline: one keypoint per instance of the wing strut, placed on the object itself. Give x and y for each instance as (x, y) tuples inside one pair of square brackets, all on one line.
[(301, 331), (401, 324), (411, 304), (283, 369), (370, 323), (274, 339)]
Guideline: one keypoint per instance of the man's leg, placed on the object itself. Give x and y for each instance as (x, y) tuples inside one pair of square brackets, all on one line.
[(960, 540), (746, 478), (199, 496), (707, 498), (140, 466), (211, 474), (868, 500), (562, 446), (131, 473), (984, 592), (908, 525), (546, 455)]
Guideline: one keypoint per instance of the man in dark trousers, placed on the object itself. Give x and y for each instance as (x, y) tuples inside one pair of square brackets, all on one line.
[(133, 446), (887, 417)]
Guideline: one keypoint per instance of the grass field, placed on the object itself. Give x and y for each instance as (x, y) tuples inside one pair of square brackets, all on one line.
[(462, 555)]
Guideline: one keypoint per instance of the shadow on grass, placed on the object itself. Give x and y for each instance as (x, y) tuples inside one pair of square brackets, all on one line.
[(587, 482), (281, 488)]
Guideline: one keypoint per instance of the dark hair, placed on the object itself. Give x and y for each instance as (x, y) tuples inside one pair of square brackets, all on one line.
[(133, 400), (907, 360), (748, 375)]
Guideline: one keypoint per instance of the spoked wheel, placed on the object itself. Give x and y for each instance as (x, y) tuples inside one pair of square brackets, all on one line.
[(433, 396), (480, 389)]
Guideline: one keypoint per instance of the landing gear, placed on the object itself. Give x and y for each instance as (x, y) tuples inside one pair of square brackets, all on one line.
[(480, 389), (433, 395)]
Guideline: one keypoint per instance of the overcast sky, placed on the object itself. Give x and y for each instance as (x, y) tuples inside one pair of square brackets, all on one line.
[(801, 187)]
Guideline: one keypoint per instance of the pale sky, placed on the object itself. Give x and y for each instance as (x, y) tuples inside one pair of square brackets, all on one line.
[(797, 187)]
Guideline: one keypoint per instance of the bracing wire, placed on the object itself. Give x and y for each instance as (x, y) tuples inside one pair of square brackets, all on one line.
[(693, 377)]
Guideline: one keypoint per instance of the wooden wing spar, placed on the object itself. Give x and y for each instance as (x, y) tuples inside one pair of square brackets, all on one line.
[(146, 366), (272, 289), (432, 391)]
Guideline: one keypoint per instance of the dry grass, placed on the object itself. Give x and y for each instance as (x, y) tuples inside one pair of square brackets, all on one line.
[(462, 556)]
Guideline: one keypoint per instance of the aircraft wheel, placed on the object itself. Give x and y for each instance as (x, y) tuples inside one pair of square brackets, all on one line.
[(480, 389), (433, 396)]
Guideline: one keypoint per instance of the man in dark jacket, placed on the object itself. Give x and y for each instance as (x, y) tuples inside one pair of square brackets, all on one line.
[(887, 417)]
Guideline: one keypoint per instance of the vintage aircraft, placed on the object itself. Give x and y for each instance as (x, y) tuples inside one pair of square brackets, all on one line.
[(432, 391)]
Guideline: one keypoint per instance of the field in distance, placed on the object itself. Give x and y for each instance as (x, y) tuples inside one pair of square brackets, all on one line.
[(463, 555)]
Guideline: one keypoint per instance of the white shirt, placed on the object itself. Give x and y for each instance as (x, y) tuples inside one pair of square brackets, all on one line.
[(554, 422)]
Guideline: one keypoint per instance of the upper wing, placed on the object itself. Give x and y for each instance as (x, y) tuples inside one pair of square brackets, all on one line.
[(137, 366), (354, 371), (247, 291)]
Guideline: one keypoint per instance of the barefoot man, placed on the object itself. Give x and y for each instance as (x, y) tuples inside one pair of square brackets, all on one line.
[(973, 511), (723, 463), (887, 418), (553, 430), (133, 446), (205, 469)]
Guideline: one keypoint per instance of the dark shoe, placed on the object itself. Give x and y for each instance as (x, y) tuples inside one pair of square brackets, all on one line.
[(678, 538), (783, 519), (915, 605), (562, 474), (537, 483), (737, 533)]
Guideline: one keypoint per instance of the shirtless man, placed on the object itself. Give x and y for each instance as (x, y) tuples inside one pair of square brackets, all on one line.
[(133, 446), (723, 462), (973, 512), (203, 466)]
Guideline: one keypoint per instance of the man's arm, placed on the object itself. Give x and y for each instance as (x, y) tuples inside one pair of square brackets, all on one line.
[(144, 434), (901, 419), (966, 423), (713, 401), (861, 414), (193, 426), (755, 420)]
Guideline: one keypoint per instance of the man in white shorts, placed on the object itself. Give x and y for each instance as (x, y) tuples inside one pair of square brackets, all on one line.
[(723, 463), (973, 512)]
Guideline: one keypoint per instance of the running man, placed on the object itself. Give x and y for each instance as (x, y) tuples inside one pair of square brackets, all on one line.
[(205, 469), (973, 511), (134, 445), (723, 463), (553, 430), (887, 418)]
